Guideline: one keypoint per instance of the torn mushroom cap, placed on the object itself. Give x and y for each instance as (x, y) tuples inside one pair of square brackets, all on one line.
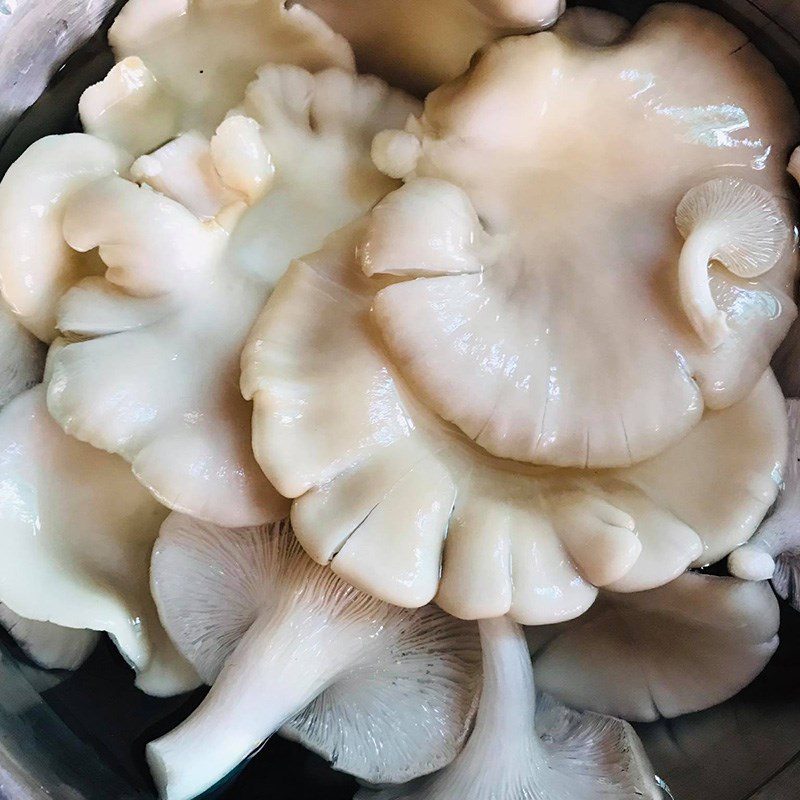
[(681, 648), (76, 534), (406, 508), (732, 222), (36, 264), (774, 552), (386, 694), (525, 747), (298, 148), (184, 63), (555, 335), (50, 646), (420, 44)]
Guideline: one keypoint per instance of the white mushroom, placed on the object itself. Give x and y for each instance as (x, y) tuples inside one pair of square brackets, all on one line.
[(525, 747), (405, 507), (50, 646), (76, 531), (36, 265), (184, 63), (162, 389), (383, 693), (737, 224), (420, 44), (670, 651), (129, 108), (774, 552), (556, 335)]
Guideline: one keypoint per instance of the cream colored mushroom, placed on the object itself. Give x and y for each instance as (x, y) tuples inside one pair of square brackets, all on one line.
[(155, 374), (184, 63), (527, 747), (36, 264), (674, 650), (76, 531), (420, 44), (384, 693), (737, 224), (552, 327), (407, 508)]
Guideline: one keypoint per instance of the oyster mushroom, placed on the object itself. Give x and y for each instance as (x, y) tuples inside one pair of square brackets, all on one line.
[(737, 224), (525, 747), (558, 336), (670, 651), (50, 646), (186, 62), (181, 293), (421, 44), (76, 531), (407, 508), (36, 265), (385, 694), (774, 552)]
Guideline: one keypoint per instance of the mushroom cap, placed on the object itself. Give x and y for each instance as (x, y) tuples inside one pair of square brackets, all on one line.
[(420, 44), (50, 646), (592, 26), (755, 231), (175, 411), (36, 264), (401, 708), (526, 745), (203, 55), (669, 651), (77, 531), (569, 345), (407, 508)]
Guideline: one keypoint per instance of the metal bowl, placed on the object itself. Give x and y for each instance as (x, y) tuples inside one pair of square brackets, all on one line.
[(81, 736)]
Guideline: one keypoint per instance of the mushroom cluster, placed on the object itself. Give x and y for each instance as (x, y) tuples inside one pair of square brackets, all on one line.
[(407, 363)]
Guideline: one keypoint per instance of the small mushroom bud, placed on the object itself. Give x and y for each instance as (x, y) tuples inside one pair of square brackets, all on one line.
[(395, 153), (735, 223)]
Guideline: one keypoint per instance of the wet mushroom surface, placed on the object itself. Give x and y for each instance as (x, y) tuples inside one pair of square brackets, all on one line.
[(423, 434)]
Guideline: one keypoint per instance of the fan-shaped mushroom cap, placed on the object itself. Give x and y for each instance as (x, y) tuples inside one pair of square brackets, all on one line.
[(407, 508), (383, 693), (525, 747), (197, 57), (569, 345), (421, 44), (774, 552), (36, 265), (162, 389), (76, 533), (50, 646), (681, 648)]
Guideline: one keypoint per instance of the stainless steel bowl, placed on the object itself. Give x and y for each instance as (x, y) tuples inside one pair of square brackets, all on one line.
[(81, 736)]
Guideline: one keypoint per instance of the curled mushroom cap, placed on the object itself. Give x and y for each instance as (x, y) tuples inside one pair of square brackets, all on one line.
[(554, 332), (681, 648), (48, 645), (774, 552), (184, 63), (421, 44), (385, 694), (36, 264), (407, 508), (155, 374), (735, 223), (76, 534), (525, 747)]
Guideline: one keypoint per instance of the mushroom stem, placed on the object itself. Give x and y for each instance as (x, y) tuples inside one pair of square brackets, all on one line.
[(698, 251), (280, 665)]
